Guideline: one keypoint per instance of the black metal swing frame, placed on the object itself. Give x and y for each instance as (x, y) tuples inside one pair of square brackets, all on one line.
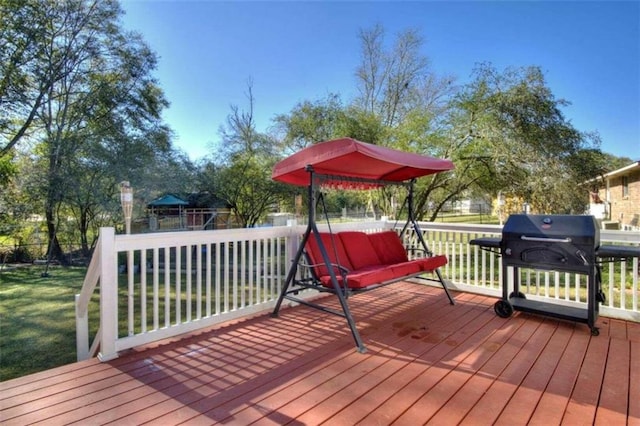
[(292, 286)]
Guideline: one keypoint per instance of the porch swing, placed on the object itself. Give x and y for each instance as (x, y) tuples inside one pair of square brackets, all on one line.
[(347, 263)]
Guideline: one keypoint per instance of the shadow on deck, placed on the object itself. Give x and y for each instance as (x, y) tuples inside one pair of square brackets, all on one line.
[(427, 362)]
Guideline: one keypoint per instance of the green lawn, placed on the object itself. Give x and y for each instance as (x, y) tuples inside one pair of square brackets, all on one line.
[(482, 219), (37, 315), (37, 319)]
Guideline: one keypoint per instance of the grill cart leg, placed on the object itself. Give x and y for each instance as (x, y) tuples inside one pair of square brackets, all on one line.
[(593, 290), (503, 308)]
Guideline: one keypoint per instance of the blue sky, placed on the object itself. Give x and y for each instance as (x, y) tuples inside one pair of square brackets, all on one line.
[(294, 51)]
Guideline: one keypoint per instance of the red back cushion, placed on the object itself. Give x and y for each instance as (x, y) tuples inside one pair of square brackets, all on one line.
[(388, 247), (333, 246), (359, 249)]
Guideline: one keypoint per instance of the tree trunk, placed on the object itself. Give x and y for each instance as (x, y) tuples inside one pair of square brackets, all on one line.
[(54, 250), (84, 226)]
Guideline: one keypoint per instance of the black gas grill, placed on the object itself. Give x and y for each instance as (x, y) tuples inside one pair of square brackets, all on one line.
[(551, 242), (558, 242), (566, 243)]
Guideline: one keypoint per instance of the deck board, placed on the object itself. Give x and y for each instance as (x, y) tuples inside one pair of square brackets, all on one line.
[(523, 402), (586, 393), (427, 363), (615, 386), (553, 402)]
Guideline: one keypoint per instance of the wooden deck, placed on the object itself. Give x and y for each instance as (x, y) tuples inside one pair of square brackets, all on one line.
[(428, 363)]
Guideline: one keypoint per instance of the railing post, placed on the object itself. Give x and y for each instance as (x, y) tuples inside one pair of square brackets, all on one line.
[(386, 225), (108, 295), (82, 332)]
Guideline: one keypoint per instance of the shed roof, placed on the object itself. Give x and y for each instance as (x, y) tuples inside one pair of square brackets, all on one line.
[(168, 200)]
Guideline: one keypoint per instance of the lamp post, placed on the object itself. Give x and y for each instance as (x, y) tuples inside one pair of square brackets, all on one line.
[(126, 199)]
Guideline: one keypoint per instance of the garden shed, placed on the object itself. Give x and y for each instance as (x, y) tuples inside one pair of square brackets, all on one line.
[(197, 211)]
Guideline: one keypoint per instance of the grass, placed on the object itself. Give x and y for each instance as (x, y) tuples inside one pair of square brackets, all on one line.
[(37, 315), (482, 219), (37, 319)]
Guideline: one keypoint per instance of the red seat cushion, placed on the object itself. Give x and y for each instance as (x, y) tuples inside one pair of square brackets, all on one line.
[(359, 249), (406, 268), (363, 278), (333, 246), (388, 247), (431, 263)]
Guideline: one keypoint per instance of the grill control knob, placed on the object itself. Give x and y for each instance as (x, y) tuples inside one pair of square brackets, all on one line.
[(507, 252)]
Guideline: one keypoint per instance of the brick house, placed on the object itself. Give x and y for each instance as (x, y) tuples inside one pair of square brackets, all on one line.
[(615, 197)]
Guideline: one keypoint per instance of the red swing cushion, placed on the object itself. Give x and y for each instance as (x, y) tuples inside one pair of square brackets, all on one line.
[(432, 263), (359, 249), (388, 246), (363, 278), (369, 258), (333, 245)]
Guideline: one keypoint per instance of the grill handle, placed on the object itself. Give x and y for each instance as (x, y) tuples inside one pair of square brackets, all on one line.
[(546, 240)]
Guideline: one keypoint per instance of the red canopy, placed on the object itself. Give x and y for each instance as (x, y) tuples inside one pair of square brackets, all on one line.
[(351, 158)]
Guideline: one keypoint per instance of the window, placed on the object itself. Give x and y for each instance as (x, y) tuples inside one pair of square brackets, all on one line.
[(625, 186)]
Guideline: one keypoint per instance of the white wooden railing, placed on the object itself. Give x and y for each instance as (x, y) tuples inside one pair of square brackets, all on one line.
[(155, 286), (474, 270)]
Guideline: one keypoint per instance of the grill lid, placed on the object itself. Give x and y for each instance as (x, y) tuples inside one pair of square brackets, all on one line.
[(576, 229)]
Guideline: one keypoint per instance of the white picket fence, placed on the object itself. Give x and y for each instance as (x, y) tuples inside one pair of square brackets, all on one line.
[(160, 285)]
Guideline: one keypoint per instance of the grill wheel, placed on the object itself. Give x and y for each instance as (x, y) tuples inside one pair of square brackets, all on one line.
[(503, 309)]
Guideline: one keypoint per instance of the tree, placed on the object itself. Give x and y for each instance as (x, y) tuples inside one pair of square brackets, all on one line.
[(24, 81), (387, 78), (7, 169), (243, 176), (41, 44), (402, 104), (399, 105), (309, 122), (79, 90), (15, 204), (510, 125)]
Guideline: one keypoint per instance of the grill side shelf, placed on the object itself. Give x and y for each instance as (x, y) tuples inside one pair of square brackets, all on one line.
[(617, 252), (487, 243)]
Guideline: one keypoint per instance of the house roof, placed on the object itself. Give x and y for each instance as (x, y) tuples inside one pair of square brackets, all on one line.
[(168, 200), (619, 172), (623, 170)]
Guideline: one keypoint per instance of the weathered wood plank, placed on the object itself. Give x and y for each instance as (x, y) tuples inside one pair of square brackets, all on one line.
[(552, 404), (523, 349), (634, 384), (584, 399), (613, 402), (522, 404)]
